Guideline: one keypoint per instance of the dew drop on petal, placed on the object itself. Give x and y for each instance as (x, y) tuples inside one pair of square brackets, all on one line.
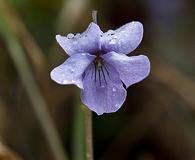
[(114, 89), (77, 35), (70, 35), (83, 54), (115, 37), (112, 41), (71, 70), (133, 23), (75, 42), (110, 32), (64, 82), (116, 105), (73, 81)]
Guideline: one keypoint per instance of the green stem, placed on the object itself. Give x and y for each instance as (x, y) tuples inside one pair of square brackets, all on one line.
[(38, 103), (88, 117), (78, 143), (88, 134), (94, 16)]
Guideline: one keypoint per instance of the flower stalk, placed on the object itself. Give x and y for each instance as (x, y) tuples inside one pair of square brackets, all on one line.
[(88, 133), (94, 16), (88, 117)]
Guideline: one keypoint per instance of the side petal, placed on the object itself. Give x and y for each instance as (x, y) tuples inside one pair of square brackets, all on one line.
[(87, 42), (131, 69), (123, 40), (70, 72), (103, 91)]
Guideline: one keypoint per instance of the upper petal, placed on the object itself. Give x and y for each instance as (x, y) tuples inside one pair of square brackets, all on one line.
[(70, 72), (131, 69), (124, 39), (103, 91), (87, 42)]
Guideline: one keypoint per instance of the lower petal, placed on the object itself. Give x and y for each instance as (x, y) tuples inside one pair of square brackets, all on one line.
[(131, 69), (70, 72), (103, 92)]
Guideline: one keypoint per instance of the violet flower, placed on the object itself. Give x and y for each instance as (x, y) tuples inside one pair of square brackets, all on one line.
[(99, 66)]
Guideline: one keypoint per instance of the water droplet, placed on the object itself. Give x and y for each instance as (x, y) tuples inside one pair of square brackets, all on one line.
[(71, 70), (77, 35), (102, 86), (83, 54), (114, 89), (75, 43), (116, 105), (112, 41), (110, 32), (73, 81), (70, 35), (64, 81)]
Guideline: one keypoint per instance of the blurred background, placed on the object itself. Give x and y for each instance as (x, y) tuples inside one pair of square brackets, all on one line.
[(40, 119)]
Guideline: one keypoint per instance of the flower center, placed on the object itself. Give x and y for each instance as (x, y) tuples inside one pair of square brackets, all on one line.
[(98, 62), (100, 73)]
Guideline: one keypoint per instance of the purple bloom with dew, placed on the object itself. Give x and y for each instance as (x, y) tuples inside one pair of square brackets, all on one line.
[(99, 65)]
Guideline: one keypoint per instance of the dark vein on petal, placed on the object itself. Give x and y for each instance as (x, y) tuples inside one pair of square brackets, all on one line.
[(93, 69), (99, 73), (107, 71), (103, 74), (95, 72)]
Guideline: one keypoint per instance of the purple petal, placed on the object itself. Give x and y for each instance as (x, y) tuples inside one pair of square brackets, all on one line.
[(131, 69), (70, 72), (87, 42), (103, 90), (123, 40)]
